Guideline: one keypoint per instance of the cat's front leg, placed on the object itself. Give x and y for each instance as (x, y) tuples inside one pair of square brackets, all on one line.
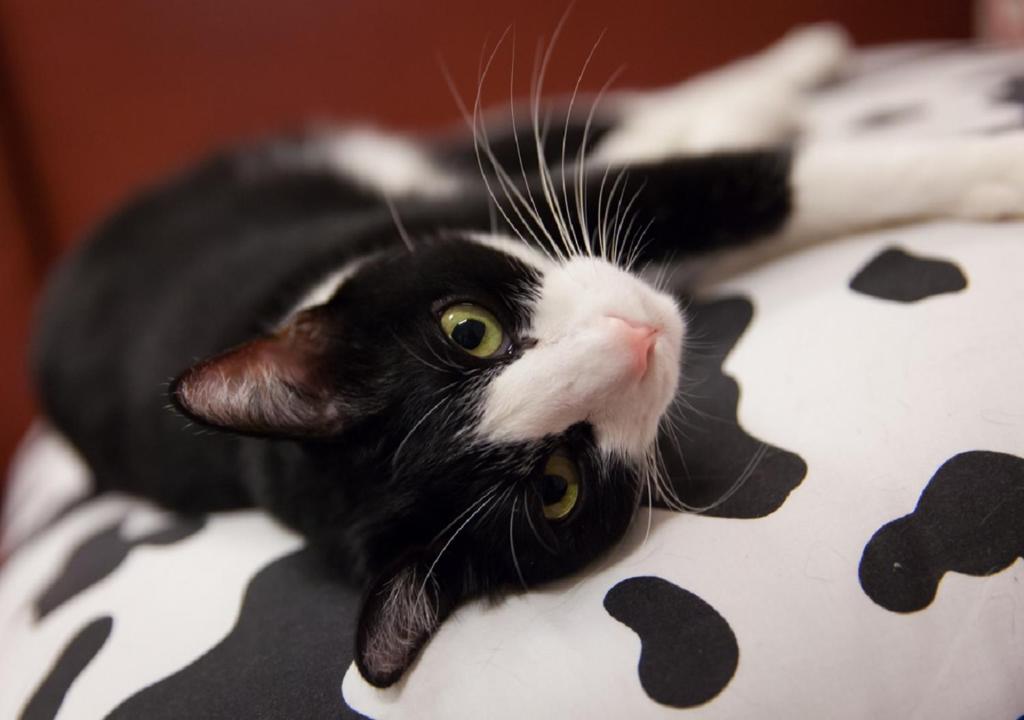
[(846, 187), (706, 203)]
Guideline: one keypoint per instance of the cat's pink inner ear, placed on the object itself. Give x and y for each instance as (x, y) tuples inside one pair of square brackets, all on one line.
[(271, 385)]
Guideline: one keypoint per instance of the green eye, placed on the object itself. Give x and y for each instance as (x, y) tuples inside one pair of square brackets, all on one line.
[(560, 486), (473, 329)]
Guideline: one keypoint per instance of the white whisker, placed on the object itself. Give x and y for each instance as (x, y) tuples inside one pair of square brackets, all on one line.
[(581, 154), (740, 481), (546, 181), (536, 533), (533, 210), (481, 147), (480, 504), (512, 544), (650, 504), (450, 367), (565, 138), (398, 223), (401, 445)]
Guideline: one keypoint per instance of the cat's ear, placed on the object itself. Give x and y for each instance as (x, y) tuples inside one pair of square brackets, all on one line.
[(401, 611), (273, 385)]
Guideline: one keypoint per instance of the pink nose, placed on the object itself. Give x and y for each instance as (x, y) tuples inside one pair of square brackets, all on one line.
[(639, 338)]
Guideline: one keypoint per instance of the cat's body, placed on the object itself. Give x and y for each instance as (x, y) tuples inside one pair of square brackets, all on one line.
[(277, 291)]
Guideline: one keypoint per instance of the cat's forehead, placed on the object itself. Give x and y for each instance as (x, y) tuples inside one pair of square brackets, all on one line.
[(451, 267)]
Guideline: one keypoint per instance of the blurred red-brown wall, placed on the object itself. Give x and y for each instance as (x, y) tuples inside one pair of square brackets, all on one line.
[(97, 98)]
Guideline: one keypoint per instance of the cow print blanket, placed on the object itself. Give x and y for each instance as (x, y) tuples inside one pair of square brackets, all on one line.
[(871, 391)]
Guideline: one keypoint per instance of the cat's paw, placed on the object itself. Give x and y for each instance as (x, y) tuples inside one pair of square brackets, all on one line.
[(762, 117), (754, 102), (811, 55)]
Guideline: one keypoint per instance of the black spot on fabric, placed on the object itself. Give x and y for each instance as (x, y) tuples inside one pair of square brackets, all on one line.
[(886, 117), (896, 275), (284, 658), (688, 652), (99, 555), (708, 452), (78, 653), (967, 520)]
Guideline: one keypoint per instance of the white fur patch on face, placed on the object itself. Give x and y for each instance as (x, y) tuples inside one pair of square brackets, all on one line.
[(389, 164), (583, 367)]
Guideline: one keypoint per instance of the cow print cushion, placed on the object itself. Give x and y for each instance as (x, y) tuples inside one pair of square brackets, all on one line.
[(869, 392)]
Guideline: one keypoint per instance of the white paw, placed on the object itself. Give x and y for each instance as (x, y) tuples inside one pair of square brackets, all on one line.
[(723, 123), (754, 102), (811, 55)]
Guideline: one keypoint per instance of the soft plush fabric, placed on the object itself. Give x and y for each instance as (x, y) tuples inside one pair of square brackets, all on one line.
[(869, 391)]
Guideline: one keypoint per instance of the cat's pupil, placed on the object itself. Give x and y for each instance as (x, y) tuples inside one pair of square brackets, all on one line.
[(469, 333), (552, 488)]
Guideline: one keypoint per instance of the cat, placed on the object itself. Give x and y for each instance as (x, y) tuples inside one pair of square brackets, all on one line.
[(437, 359)]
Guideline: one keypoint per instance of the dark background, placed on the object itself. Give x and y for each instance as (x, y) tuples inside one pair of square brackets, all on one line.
[(100, 97)]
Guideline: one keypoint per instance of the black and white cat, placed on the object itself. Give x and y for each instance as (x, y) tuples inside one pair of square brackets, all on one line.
[(435, 360)]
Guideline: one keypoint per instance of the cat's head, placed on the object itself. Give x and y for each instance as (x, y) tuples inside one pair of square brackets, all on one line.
[(493, 413)]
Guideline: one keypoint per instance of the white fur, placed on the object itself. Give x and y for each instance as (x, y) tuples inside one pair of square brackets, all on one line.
[(581, 370), (325, 289), (751, 103), (516, 248), (388, 164)]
